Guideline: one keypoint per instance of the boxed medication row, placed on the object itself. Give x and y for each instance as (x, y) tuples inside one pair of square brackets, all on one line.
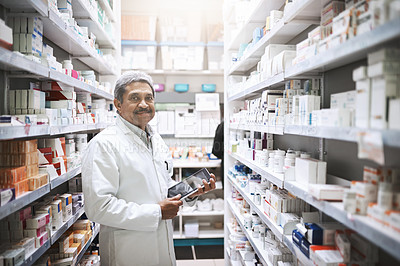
[(378, 82)]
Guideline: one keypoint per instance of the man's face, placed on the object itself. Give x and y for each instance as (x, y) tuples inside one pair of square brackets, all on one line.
[(138, 104)]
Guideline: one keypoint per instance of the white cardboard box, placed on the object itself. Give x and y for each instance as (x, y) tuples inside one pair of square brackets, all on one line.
[(326, 191), (383, 88), (394, 111), (363, 103), (310, 171)]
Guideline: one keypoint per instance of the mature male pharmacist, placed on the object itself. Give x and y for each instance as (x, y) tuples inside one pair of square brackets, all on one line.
[(126, 173)]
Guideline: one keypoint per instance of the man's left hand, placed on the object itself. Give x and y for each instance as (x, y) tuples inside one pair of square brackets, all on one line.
[(207, 187)]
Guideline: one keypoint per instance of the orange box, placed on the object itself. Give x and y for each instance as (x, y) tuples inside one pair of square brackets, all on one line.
[(71, 237), (13, 147), (34, 157), (83, 232), (82, 225), (11, 176), (5, 160), (76, 245), (32, 170), (22, 146), (21, 188), (4, 147), (37, 181), (29, 146)]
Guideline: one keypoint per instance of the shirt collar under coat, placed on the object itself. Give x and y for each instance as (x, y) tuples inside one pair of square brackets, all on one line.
[(139, 134)]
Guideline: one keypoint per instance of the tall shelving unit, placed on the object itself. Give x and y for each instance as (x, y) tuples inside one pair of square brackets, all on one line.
[(16, 66), (337, 146)]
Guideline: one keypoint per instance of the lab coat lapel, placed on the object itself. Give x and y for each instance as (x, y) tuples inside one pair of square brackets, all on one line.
[(132, 136)]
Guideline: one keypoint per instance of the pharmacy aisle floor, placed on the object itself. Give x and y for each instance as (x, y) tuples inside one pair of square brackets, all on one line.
[(216, 262), (211, 252)]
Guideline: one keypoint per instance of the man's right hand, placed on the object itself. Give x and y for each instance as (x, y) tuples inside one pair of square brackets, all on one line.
[(170, 207)]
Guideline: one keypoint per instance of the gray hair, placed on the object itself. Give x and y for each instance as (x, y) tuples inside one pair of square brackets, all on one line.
[(128, 78)]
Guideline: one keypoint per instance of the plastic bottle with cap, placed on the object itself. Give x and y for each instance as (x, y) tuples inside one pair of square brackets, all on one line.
[(279, 160), (67, 65), (271, 161), (290, 160), (247, 221)]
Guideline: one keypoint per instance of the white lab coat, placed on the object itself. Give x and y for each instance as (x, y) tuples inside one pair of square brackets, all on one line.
[(122, 185)]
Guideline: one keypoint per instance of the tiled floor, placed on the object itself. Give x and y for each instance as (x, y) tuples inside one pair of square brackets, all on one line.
[(216, 262)]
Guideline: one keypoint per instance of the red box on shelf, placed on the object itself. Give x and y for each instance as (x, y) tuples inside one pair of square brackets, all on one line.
[(47, 154)]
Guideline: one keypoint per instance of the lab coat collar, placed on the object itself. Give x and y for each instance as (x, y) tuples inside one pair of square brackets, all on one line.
[(125, 130)]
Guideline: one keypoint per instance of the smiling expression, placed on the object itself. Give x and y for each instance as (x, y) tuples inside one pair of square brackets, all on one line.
[(137, 106)]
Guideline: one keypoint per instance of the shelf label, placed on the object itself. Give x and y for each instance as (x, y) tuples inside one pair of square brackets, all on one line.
[(370, 146)]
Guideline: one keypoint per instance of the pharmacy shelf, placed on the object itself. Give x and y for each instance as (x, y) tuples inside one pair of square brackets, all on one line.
[(13, 61), (278, 129), (277, 179), (55, 235), (86, 18), (53, 239), (196, 164), (16, 132), (87, 245), (197, 213), (381, 236), (79, 85), (28, 6), (345, 134), (57, 31), (23, 200), (389, 137), (103, 94), (59, 130), (303, 10), (203, 234), (37, 253), (107, 8), (277, 230), (161, 72), (287, 240), (255, 19), (350, 51), (65, 177), (255, 243), (70, 81), (281, 33), (274, 81), (98, 63)]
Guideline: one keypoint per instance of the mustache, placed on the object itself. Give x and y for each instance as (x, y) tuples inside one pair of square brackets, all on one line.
[(142, 111)]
